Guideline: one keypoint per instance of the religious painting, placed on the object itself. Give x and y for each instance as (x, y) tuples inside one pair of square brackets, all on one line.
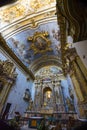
[(40, 42), (34, 123)]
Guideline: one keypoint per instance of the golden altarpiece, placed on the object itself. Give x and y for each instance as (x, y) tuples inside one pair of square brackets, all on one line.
[(48, 97), (7, 78), (48, 93)]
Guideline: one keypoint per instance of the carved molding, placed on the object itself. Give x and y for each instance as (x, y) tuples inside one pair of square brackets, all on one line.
[(75, 15)]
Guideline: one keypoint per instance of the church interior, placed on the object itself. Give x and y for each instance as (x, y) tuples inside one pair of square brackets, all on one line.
[(43, 64)]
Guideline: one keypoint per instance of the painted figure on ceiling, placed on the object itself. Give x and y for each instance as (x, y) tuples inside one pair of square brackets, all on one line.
[(40, 43)]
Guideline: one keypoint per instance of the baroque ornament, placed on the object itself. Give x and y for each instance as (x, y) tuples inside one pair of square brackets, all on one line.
[(40, 43), (37, 4)]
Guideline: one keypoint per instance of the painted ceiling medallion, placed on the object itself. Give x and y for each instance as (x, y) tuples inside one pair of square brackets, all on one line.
[(40, 43)]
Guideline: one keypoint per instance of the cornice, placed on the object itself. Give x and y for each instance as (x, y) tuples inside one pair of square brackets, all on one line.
[(14, 31), (79, 13), (77, 18), (28, 22), (72, 20)]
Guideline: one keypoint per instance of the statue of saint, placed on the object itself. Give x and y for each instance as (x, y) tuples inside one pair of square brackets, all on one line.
[(30, 104)]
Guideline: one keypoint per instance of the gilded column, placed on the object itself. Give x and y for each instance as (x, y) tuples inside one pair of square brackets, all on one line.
[(81, 80), (82, 67), (77, 88)]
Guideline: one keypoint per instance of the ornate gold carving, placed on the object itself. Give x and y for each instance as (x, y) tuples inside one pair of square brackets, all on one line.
[(6, 71), (21, 9), (15, 11), (40, 43), (34, 24), (7, 78), (36, 4), (11, 13), (46, 92)]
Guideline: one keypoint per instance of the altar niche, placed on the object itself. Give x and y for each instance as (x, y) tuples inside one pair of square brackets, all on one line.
[(47, 97)]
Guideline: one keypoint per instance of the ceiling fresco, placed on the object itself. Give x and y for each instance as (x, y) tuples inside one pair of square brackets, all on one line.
[(47, 74), (23, 8), (31, 31), (32, 44), (49, 70)]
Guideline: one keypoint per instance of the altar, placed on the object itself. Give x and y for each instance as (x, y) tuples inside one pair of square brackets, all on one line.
[(35, 121)]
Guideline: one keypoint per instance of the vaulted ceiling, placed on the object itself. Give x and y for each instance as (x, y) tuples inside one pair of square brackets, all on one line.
[(31, 33), (34, 31)]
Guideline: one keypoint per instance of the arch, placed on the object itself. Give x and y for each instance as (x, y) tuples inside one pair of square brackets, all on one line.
[(47, 89), (47, 94), (45, 61)]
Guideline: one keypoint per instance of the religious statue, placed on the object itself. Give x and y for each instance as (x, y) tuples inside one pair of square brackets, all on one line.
[(70, 105), (30, 104), (40, 43)]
